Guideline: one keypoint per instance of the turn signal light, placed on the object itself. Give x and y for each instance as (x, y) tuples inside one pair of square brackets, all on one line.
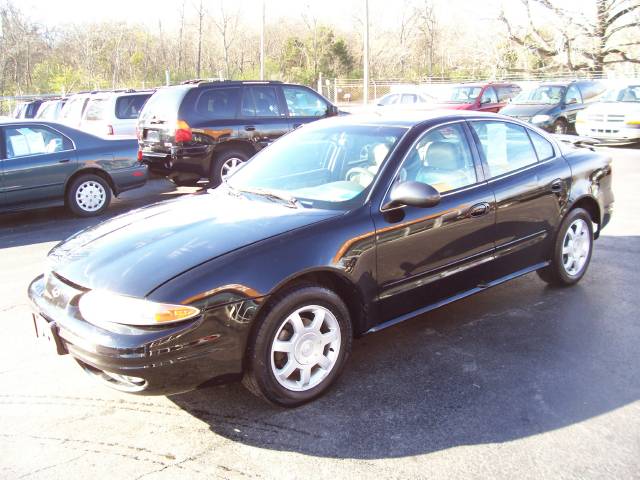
[(183, 132)]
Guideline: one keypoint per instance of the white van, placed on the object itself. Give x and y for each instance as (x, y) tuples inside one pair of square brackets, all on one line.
[(114, 113)]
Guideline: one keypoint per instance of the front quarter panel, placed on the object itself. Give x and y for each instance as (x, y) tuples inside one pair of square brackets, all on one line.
[(244, 279)]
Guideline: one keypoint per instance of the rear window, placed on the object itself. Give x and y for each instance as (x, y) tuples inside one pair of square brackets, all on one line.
[(129, 107), (218, 103), (96, 109), (164, 104)]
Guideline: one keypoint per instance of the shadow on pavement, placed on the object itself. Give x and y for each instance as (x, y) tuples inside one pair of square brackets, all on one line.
[(511, 362)]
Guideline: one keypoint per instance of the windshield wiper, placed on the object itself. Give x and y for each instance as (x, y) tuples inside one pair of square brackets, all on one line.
[(289, 200)]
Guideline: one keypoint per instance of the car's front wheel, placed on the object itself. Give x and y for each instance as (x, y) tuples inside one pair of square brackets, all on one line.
[(88, 195), (560, 126), (300, 346), (572, 250)]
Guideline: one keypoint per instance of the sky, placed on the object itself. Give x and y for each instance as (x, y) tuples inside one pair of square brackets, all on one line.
[(150, 12)]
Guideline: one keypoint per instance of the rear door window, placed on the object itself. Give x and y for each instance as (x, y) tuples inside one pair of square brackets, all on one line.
[(218, 103), (129, 107), (506, 147), (260, 101)]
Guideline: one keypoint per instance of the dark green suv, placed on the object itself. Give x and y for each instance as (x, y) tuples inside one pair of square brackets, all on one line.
[(207, 129)]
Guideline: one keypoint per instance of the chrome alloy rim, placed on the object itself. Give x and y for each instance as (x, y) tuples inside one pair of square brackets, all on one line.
[(575, 247), (305, 348), (90, 196), (230, 166)]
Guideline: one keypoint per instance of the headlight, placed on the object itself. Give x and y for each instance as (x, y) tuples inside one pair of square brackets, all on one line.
[(540, 118), (99, 307)]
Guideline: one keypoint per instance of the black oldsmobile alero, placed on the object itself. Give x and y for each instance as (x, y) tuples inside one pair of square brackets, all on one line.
[(341, 228)]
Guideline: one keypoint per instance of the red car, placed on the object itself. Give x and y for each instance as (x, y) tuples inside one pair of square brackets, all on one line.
[(484, 97)]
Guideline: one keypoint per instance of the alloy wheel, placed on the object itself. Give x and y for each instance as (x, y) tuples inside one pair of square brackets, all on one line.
[(230, 165), (305, 348), (576, 246)]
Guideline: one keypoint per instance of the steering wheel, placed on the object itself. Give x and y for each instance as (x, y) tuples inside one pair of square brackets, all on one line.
[(355, 172)]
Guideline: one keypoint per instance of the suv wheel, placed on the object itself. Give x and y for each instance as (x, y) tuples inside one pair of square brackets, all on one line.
[(224, 164), (88, 195)]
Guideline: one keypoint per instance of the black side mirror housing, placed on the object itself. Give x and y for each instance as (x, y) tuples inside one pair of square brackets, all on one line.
[(413, 194), (332, 111)]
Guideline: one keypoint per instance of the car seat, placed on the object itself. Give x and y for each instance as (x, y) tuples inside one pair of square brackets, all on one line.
[(443, 167)]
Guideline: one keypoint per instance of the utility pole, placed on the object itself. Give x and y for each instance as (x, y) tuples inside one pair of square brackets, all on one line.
[(262, 43), (365, 99)]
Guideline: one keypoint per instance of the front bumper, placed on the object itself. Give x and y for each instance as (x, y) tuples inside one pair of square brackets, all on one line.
[(153, 360), (609, 132)]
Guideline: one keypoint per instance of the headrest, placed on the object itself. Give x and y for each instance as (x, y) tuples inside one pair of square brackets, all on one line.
[(443, 155)]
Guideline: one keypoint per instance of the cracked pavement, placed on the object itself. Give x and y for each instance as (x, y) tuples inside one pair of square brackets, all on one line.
[(520, 381)]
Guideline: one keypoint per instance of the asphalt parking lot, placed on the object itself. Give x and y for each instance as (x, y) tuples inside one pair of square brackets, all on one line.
[(521, 381)]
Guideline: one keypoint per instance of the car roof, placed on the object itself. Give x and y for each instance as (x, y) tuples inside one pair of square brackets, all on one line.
[(411, 119)]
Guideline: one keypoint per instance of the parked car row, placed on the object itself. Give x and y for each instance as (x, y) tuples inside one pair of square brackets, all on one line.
[(100, 112)]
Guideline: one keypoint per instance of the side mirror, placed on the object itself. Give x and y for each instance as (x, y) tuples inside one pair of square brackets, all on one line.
[(572, 101), (413, 194), (332, 111)]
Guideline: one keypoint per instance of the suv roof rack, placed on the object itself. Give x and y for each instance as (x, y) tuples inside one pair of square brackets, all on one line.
[(215, 81)]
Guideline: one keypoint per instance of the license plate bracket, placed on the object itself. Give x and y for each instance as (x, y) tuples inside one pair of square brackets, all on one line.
[(47, 333)]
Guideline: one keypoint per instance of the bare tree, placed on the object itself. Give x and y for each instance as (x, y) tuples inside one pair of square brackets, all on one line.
[(579, 40), (201, 14), (227, 25)]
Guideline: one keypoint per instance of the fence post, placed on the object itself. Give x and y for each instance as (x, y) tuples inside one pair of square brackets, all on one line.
[(375, 89), (335, 91), (320, 83)]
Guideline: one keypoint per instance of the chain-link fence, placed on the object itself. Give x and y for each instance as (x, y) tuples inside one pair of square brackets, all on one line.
[(351, 91)]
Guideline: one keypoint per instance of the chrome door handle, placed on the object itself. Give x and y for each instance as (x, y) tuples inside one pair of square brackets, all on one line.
[(479, 209), (557, 186), (64, 160), (249, 128)]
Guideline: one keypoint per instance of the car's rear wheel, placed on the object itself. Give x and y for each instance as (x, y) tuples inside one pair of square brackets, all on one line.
[(560, 126), (225, 163), (572, 250), (88, 195), (300, 346)]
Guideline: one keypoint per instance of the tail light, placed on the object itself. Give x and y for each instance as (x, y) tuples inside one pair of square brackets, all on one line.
[(109, 130), (183, 132), (139, 155)]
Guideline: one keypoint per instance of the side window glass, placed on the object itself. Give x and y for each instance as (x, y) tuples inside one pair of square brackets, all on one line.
[(222, 103), (506, 147), (96, 109), (489, 96), (22, 141), (408, 98), (543, 147), (507, 93), (260, 101), (304, 103), (442, 159), (129, 106), (573, 95)]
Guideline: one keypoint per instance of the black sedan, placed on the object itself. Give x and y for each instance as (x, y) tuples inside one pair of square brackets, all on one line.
[(341, 228), (44, 164)]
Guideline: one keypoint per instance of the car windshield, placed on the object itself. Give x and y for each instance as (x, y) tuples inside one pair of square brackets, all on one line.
[(463, 94), (630, 93), (323, 166), (544, 94)]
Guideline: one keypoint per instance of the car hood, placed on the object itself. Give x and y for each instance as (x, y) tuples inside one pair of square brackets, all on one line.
[(528, 110), (136, 252)]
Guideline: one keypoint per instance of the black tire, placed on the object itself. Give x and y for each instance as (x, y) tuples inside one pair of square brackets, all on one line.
[(259, 377), (556, 273), (218, 164), (560, 127), (184, 182), (88, 195)]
